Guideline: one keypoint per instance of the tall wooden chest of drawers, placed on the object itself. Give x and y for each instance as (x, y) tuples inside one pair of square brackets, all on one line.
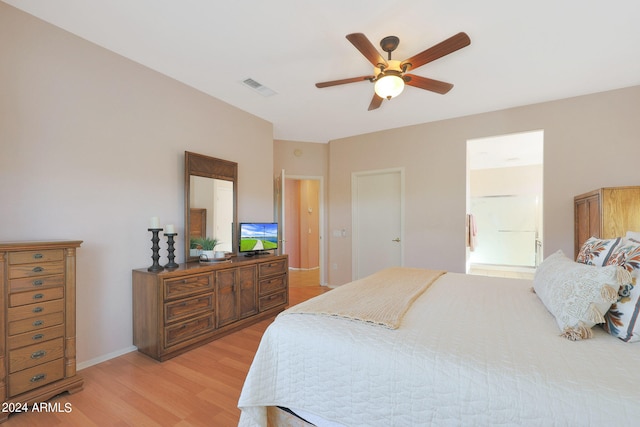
[(179, 309), (606, 213), (38, 338)]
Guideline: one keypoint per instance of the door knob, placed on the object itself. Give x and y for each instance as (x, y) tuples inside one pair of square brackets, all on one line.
[(397, 239)]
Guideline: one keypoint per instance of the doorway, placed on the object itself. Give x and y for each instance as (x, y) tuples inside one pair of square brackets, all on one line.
[(504, 203), (377, 222), (300, 215)]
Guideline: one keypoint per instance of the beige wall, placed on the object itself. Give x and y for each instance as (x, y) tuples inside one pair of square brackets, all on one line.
[(92, 147), (589, 142)]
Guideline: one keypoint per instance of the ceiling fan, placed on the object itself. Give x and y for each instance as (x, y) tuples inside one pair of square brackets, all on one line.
[(390, 75)]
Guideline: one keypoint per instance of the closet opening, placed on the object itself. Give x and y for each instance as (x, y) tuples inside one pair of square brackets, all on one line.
[(504, 204)]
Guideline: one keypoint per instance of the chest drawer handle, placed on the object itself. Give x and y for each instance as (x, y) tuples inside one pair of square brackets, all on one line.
[(38, 296), (39, 377), (38, 354), (37, 337), (37, 283), (37, 256), (38, 323), (37, 309), (37, 269)]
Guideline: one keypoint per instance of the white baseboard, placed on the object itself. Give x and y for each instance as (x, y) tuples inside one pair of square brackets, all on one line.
[(105, 357)]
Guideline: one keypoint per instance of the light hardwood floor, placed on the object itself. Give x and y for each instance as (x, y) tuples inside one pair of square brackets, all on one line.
[(198, 388)]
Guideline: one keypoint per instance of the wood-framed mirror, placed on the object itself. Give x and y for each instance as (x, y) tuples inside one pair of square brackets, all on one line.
[(211, 201)]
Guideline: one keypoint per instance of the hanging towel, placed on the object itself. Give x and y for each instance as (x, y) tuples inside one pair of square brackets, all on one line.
[(472, 232)]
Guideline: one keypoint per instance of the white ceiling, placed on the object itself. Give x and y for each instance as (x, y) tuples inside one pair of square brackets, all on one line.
[(511, 150), (520, 53)]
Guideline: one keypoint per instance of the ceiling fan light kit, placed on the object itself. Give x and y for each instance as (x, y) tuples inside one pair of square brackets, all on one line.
[(389, 86), (388, 82), (390, 76)]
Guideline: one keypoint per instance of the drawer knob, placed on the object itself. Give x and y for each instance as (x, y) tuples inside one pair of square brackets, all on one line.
[(38, 323), (37, 256), (38, 296), (37, 337), (37, 309), (38, 377), (38, 354), (37, 269), (37, 283)]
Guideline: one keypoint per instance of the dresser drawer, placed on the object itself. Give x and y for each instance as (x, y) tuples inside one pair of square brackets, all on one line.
[(35, 354), (273, 300), (49, 294), (35, 270), (273, 284), (188, 307), (30, 283), (35, 323), (179, 332), (272, 268), (37, 376), (36, 309), (28, 257), (174, 288), (46, 334)]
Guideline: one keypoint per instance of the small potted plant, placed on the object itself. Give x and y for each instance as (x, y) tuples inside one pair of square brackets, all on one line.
[(207, 244), (194, 246)]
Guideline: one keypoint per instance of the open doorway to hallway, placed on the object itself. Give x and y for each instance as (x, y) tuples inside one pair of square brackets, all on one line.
[(504, 201), (303, 229)]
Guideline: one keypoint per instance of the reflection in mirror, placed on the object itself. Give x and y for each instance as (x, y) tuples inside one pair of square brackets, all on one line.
[(211, 209), (210, 203)]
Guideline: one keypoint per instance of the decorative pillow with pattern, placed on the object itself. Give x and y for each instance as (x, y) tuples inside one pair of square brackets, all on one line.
[(622, 318), (577, 294), (597, 251)]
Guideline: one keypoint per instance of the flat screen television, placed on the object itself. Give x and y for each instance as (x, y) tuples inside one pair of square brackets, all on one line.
[(258, 237)]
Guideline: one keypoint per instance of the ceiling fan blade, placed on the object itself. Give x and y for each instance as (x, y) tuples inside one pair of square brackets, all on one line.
[(344, 81), (443, 48), (362, 43), (427, 84), (376, 101)]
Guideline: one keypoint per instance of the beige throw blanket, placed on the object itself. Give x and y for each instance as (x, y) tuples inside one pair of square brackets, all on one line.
[(382, 298)]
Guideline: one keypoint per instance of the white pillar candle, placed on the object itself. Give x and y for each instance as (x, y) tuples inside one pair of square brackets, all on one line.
[(169, 229), (155, 222)]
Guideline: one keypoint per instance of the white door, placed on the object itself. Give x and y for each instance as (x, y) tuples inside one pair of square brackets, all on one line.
[(279, 211), (377, 223)]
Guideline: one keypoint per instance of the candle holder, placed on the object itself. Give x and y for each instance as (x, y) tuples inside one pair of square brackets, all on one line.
[(155, 248), (171, 250)]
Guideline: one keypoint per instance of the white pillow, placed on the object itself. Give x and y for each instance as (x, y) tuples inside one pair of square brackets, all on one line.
[(635, 235), (578, 295)]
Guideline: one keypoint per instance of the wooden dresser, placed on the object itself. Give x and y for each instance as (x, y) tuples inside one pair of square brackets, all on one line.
[(38, 318), (179, 309), (606, 213)]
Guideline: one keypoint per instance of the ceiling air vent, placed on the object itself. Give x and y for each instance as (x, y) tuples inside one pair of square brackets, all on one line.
[(258, 87)]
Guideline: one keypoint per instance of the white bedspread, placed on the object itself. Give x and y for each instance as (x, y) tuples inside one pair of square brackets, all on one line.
[(472, 350)]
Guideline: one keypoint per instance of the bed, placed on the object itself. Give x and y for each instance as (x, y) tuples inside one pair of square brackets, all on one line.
[(468, 350)]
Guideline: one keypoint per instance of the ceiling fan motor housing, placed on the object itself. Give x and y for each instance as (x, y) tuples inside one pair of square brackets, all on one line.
[(393, 66)]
